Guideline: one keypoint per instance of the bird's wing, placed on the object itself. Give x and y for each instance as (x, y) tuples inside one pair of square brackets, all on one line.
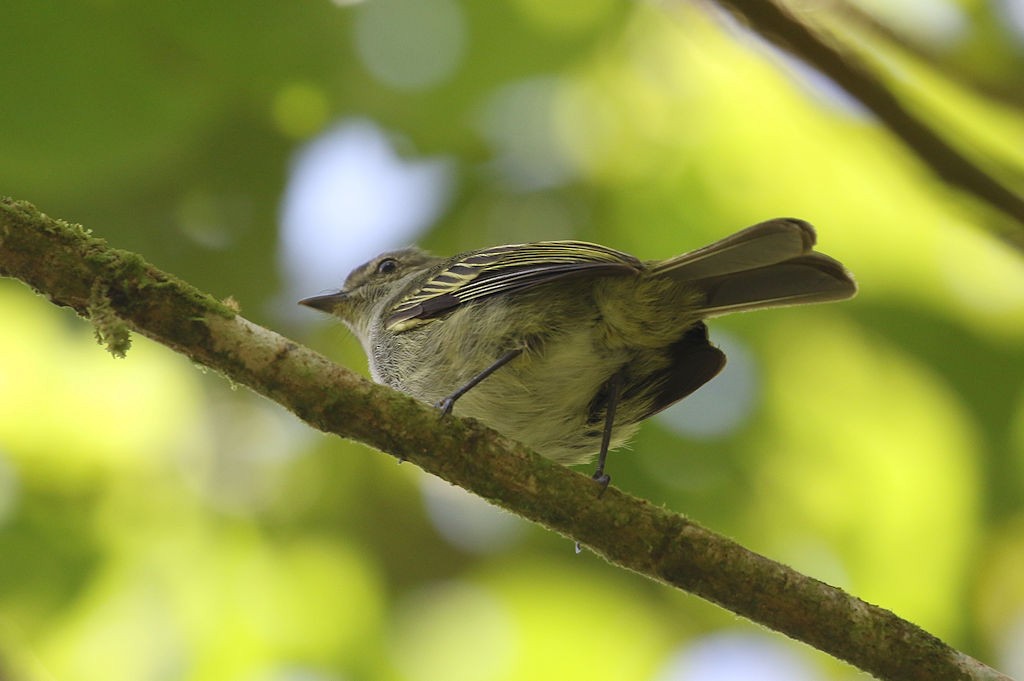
[(695, 361), (504, 269)]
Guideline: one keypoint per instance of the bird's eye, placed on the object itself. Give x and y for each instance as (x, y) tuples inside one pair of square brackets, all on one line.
[(387, 266)]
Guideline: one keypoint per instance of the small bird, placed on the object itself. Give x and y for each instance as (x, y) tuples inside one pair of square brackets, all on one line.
[(566, 346)]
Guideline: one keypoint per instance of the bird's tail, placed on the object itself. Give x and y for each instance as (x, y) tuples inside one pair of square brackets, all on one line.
[(768, 265)]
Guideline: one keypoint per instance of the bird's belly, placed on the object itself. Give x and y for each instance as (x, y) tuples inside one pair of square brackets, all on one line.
[(544, 398)]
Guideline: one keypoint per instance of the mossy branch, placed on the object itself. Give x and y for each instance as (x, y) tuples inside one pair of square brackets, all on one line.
[(118, 290)]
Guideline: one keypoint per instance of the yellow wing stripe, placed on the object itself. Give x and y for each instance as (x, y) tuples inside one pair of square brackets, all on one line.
[(507, 268)]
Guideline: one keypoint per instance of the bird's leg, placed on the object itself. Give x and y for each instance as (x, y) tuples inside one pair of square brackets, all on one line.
[(446, 404), (614, 387)]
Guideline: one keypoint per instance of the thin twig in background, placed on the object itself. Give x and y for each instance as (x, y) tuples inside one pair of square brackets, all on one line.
[(779, 26), (1006, 93)]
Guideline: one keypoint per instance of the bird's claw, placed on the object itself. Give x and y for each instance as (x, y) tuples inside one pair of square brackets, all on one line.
[(445, 405)]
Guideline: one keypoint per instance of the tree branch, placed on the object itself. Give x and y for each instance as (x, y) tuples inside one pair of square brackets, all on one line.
[(1007, 90), (771, 20), (119, 291)]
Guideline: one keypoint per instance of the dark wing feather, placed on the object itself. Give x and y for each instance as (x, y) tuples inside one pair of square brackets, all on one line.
[(695, 361), (504, 269)]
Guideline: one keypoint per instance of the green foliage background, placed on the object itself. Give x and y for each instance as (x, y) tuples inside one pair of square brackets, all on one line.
[(156, 523)]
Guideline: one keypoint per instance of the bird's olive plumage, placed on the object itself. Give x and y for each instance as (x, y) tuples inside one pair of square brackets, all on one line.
[(590, 322)]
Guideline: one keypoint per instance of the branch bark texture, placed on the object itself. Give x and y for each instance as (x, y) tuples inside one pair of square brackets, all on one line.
[(120, 292)]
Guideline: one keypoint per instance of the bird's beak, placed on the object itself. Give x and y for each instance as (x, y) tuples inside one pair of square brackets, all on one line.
[(325, 303)]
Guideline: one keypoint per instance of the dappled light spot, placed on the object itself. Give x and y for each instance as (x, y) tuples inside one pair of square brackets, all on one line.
[(1000, 593), (518, 121), (1013, 10), (349, 197), (732, 656), (565, 16), (56, 426), (1010, 650), (467, 521), (300, 109), (725, 403), (213, 221), (984, 278), (410, 44), (8, 488), (940, 22), (573, 619), (453, 631)]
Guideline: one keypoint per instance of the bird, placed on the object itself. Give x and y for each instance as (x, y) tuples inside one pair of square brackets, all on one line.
[(567, 346)]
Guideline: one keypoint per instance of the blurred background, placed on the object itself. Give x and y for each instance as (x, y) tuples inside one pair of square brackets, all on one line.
[(159, 524)]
